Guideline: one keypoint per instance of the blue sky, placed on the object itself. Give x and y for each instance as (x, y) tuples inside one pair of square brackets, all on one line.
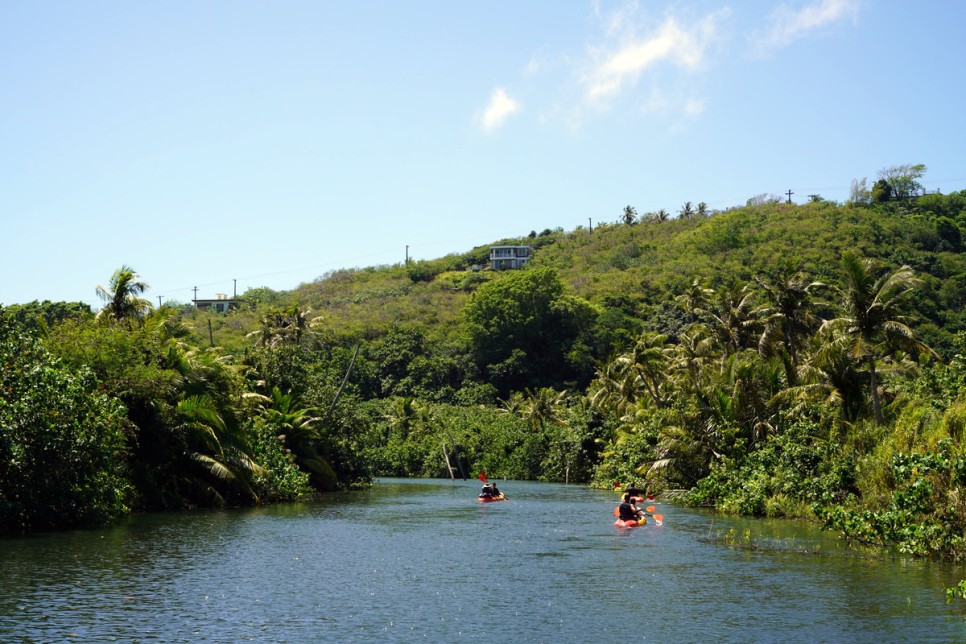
[(228, 145)]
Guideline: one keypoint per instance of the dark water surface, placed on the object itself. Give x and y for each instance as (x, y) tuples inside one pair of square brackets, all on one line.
[(423, 561)]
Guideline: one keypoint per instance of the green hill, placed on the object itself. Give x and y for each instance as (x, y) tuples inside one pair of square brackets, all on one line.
[(637, 270), (772, 359)]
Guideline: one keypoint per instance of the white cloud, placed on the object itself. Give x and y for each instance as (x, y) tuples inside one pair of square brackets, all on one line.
[(499, 109), (612, 72), (787, 25), (654, 61)]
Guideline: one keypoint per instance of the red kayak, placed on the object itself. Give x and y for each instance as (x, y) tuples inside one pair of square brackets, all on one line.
[(490, 499), (630, 523)]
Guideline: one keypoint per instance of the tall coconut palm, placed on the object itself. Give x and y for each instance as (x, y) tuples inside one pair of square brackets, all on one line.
[(647, 365), (829, 375), (871, 301), (543, 405), (731, 315), (789, 319), (612, 390), (692, 355), (629, 216), (122, 296)]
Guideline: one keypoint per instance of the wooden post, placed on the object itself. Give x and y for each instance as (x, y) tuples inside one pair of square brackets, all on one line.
[(448, 466)]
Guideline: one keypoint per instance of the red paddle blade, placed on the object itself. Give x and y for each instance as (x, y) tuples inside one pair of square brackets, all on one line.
[(659, 518), (650, 497), (649, 508), (617, 511)]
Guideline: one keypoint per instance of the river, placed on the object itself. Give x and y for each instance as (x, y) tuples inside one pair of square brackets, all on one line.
[(422, 560)]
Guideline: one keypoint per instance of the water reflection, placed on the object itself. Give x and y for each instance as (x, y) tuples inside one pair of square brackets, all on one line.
[(423, 560)]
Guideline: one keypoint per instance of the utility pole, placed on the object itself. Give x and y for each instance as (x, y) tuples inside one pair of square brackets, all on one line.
[(407, 255), (195, 289), (234, 290), (789, 193), (590, 225), (159, 301)]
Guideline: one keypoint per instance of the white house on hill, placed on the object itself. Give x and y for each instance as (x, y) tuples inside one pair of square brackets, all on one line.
[(503, 257)]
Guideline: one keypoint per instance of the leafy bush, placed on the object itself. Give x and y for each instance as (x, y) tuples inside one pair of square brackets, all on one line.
[(926, 515), (790, 472), (59, 441)]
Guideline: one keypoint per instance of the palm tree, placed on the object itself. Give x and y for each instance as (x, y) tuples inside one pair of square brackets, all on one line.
[(647, 366), (829, 375), (695, 298), (296, 428), (166, 326), (543, 405), (216, 460), (613, 389), (629, 216), (731, 315), (871, 318), (408, 415), (122, 296), (789, 319), (284, 326), (692, 354)]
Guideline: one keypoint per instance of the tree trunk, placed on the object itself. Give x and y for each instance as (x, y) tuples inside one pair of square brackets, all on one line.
[(448, 466), (874, 386)]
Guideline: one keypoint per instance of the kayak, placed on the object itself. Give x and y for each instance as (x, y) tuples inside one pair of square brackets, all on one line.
[(630, 523), (490, 499)]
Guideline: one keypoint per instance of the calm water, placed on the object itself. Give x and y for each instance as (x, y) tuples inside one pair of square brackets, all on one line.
[(423, 561)]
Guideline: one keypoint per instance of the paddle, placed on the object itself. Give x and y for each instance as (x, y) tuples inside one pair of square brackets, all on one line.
[(658, 518)]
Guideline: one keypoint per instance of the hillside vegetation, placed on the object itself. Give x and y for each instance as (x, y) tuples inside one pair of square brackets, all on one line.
[(771, 359)]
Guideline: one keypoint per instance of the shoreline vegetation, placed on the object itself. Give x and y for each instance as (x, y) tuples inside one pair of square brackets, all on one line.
[(772, 359)]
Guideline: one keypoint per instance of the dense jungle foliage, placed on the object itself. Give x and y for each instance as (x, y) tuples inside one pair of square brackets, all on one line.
[(772, 359)]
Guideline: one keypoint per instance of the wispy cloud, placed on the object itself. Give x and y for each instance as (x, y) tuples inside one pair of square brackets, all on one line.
[(634, 56), (498, 110), (614, 69), (788, 25)]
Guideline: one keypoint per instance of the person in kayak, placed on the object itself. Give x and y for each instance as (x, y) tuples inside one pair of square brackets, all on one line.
[(495, 491), (627, 511), (488, 491)]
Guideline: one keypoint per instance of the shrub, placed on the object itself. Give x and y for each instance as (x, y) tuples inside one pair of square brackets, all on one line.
[(59, 441)]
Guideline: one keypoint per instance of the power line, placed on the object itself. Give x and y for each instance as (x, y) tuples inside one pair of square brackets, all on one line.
[(342, 263)]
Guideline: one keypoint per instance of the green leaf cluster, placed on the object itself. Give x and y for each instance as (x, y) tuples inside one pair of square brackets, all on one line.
[(59, 441)]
